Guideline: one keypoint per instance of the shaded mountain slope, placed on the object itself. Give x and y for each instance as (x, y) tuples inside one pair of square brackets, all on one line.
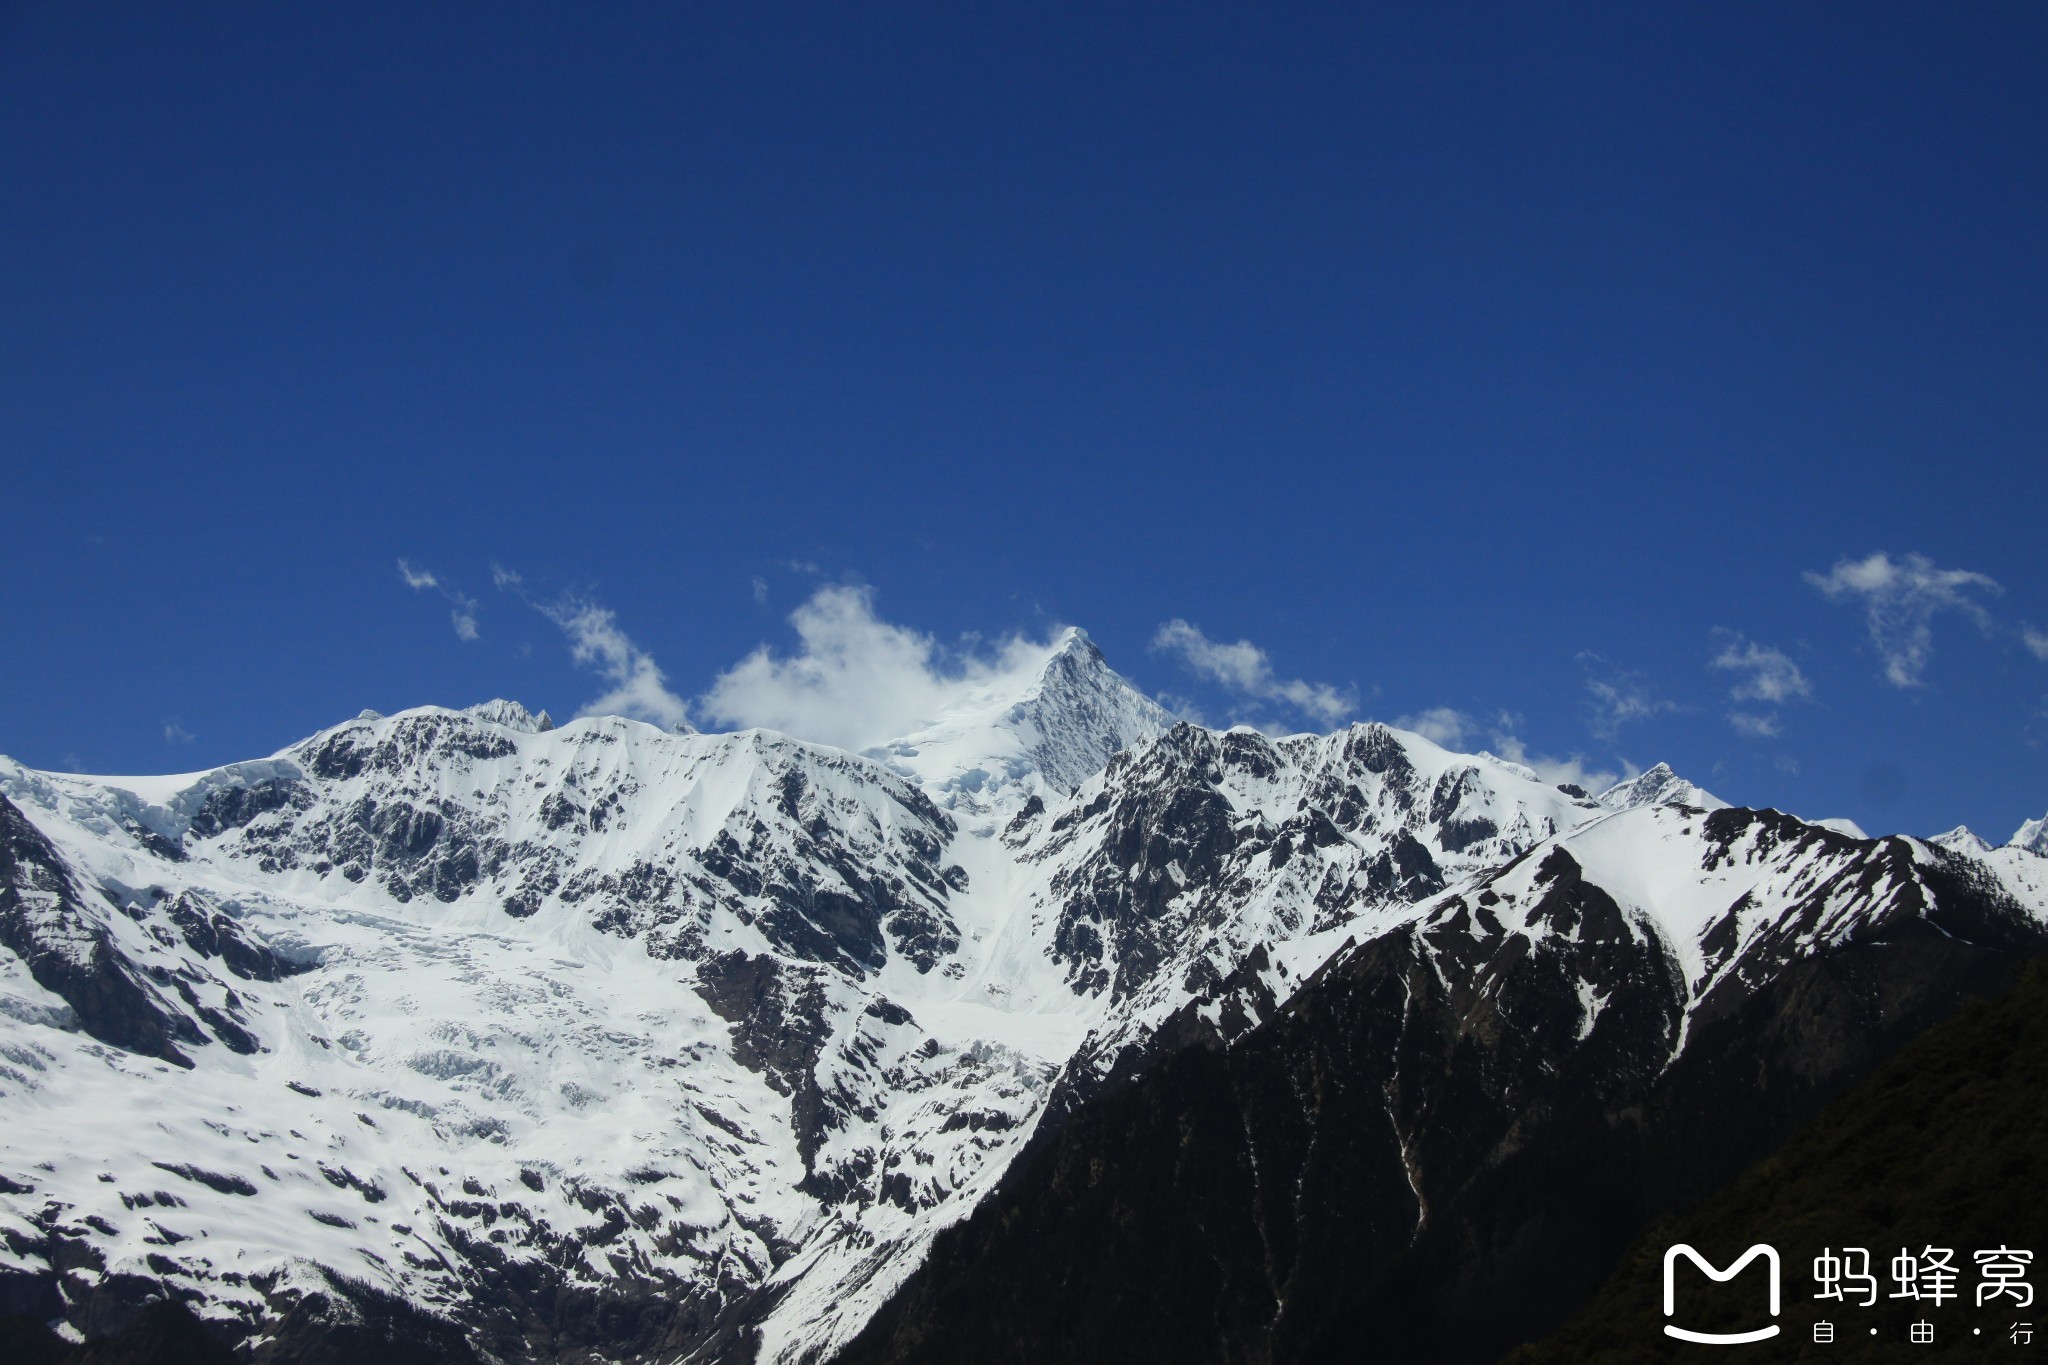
[(1445, 1139), (1946, 1145)]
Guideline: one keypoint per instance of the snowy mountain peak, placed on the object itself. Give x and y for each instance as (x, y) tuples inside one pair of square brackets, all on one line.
[(2032, 836), (1659, 786), (1051, 726), (509, 714), (1085, 713), (1962, 839)]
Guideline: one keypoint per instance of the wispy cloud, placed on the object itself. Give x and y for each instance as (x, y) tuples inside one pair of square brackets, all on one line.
[(461, 608), (1752, 725), (1245, 669), (1619, 697), (639, 689), (857, 680), (1766, 674), (1772, 676), (2036, 642), (1900, 599), (504, 579), (176, 733)]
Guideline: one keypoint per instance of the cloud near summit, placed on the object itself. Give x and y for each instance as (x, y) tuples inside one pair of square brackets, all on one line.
[(856, 680), (639, 688)]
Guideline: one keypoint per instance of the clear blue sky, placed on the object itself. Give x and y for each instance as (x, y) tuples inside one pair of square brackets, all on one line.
[(1476, 357)]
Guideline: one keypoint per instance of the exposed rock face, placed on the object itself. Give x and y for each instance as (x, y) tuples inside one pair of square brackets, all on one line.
[(68, 940), (1185, 874)]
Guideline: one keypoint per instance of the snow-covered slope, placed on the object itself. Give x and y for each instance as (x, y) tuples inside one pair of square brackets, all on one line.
[(603, 1038), (2020, 864)]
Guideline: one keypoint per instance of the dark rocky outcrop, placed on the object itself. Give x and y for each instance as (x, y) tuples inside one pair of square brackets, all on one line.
[(43, 921)]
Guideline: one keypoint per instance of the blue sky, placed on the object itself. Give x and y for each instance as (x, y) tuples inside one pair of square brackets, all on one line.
[(1502, 368)]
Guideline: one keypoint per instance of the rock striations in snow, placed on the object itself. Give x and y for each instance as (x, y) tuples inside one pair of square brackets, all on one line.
[(659, 1045)]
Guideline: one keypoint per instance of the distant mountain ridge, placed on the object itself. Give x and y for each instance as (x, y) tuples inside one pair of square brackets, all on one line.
[(599, 1038)]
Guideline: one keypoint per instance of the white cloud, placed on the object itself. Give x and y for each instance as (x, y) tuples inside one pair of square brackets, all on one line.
[(1900, 599), (2037, 642), (1245, 668), (639, 688), (1573, 770), (463, 616), (176, 733), (462, 609), (1773, 677), (503, 578), (1619, 697), (858, 680), (1750, 725), (1441, 725)]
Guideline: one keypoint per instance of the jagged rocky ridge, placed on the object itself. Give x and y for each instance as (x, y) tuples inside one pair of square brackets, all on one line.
[(601, 1040)]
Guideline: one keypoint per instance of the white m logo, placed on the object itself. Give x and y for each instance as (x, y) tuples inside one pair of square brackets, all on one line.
[(1671, 1255)]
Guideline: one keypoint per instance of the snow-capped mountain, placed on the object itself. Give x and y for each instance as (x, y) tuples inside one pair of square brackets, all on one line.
[(2020, 864), (2032, 836), (996, 748), (1659, 786), (600, 1040)]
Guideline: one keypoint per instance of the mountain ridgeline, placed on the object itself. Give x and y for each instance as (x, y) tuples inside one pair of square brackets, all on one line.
[(1055, 1029)]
